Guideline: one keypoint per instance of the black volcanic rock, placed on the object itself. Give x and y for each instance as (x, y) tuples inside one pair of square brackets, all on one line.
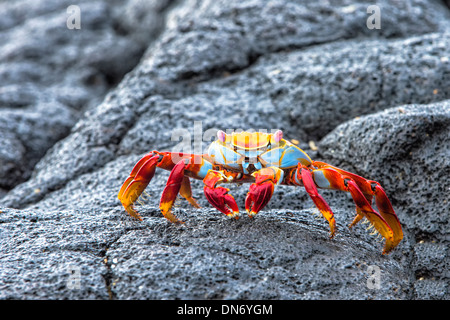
[(375, 102), (50, 74)]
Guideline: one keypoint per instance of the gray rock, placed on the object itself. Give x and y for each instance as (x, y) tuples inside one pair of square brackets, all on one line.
[(276, 256), (49, 74), (97, 255), (307, 68), (49, 255), (247, 30), (408, 165), (406, 149), (140, 123)]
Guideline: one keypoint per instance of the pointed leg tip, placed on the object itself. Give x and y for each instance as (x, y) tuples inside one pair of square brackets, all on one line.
[(332, 232), (194, 203), (252, 214), (234, 215), (175, 220), (133, 213), (388, 247), (332, 225), (171, 217)]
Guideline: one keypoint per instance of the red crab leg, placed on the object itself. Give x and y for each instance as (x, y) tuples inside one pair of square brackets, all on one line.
[(372, 189), (196, 167), (144, 171), (138, 180), (176, 183), (387, 211), (361, 190), (218, 196), (262, 190), (310, 187)]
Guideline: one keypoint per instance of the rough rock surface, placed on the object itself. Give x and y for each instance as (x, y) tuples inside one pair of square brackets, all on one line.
[(414, 170), (376, 102), (50, 74)]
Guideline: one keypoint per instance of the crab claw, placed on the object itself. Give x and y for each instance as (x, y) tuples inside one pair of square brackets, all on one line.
[(138, 180), (222, 201), (218, 196), (258, 196), (261, 191)]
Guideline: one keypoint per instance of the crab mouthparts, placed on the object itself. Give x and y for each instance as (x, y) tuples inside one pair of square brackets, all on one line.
[(252, 160)]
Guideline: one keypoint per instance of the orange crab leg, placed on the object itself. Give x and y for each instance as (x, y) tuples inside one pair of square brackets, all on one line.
[(196, 167), (372, 189), (186, 192), (360, 181), (388, 213), (138, 180), (144, 170), (385, 222), (262, 190), (375, 219)]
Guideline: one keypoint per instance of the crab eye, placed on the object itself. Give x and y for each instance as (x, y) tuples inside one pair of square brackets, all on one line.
[(277, 136), (221, 136)]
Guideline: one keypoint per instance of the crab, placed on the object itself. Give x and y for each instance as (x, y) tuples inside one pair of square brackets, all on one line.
[(265, 160)]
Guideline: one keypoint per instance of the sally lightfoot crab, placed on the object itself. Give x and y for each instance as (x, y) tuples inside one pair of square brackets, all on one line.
[(265, 160)]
